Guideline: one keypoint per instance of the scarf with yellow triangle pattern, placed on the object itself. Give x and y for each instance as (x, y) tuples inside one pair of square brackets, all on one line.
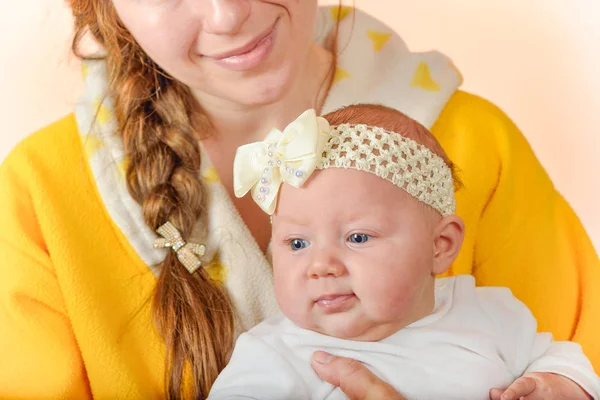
[(373, 66)]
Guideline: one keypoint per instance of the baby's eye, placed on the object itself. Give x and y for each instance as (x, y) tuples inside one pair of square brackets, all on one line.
[(299, 244), (358, 238)]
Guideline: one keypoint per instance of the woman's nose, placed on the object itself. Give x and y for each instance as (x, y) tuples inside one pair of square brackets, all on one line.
[(226, 17), (326, 263)]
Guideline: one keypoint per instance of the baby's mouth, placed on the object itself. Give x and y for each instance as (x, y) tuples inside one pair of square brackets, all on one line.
[(334, 302)]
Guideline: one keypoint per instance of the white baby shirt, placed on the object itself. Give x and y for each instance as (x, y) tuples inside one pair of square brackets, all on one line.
[(476, 338)]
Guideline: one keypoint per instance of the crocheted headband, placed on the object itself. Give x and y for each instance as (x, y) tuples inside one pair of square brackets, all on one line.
[(309, 143)]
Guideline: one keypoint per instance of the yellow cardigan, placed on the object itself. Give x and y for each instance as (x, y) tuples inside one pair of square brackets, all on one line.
[(75, 319)]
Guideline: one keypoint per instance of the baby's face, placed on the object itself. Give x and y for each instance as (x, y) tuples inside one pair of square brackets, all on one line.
[(353, 255)]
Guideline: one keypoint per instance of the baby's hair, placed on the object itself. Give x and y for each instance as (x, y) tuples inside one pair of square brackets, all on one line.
[(392, 120)]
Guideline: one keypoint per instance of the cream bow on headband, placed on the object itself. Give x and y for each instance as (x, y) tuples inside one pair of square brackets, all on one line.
[(188, 254), (309, 143), (289, 156)]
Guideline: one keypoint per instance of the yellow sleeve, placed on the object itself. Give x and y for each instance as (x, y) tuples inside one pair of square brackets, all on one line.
[(40, 356), (525, 235)]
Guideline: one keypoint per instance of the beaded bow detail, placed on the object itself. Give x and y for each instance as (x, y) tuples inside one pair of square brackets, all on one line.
[(289, 156), (188, 254)]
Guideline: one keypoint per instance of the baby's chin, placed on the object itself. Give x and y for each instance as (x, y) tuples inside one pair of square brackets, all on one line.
[(350, 330)]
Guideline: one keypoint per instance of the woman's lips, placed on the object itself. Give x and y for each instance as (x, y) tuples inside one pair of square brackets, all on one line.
[(335, 302), (250, 55)]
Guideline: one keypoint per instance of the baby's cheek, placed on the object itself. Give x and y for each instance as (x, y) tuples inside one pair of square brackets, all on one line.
[(290, 293), (283, 288), (399, 305), (392, 299)]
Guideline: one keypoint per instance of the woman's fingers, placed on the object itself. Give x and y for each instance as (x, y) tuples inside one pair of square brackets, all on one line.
[(496, 393), (353, 378), (522, 387)]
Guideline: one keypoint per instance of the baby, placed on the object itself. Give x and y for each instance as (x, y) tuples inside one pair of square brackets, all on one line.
[(363, 216)]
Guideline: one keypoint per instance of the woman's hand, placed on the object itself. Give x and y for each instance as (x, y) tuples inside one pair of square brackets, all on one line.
[(353, 378), (542, 386)]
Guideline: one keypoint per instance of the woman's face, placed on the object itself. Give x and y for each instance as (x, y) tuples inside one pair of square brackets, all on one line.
[(247, 52)]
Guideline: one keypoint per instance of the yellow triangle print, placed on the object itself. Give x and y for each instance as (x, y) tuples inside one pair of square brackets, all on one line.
[(84, 70), (211, 175), (103, 114), (123, 167), (340, 75), (423, 79), (451, 64), (379, 39), (216, 270), (341, 12), (91, 144)]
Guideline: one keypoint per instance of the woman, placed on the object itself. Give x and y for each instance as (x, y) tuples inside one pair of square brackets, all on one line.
[(178, 87)]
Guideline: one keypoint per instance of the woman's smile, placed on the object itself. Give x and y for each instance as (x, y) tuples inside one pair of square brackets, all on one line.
[(249, 55)]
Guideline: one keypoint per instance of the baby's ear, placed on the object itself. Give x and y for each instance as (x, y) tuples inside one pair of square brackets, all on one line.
[(447, 241)]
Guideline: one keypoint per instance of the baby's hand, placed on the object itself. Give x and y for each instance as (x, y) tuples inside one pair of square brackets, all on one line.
[(541, 385)]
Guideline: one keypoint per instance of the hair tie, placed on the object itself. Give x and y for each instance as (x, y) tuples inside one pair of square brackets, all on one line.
[(188, 254)]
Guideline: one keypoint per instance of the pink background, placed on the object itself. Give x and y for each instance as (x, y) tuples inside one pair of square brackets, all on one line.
[(537, 59)]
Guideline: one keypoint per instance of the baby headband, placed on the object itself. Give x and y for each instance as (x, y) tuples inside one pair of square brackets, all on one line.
[(309, 143)]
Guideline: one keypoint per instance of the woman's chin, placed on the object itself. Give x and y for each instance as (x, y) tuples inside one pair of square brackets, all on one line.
[(268, 91), (268, 87)]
